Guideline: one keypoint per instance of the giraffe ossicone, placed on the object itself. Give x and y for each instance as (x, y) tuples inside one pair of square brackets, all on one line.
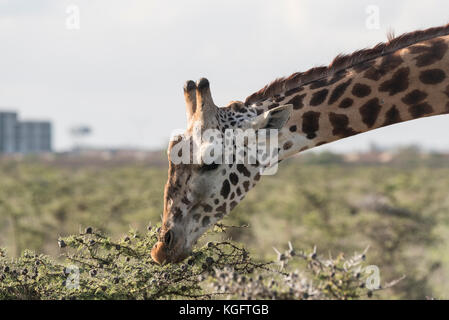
[(404, 79)]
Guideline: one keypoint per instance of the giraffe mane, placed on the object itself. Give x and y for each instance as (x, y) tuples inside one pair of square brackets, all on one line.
[(343, 61)]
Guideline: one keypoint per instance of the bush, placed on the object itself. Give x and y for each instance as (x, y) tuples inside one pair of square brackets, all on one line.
[(92, 266)]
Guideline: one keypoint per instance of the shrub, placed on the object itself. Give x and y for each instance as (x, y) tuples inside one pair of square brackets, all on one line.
[(92, 266)]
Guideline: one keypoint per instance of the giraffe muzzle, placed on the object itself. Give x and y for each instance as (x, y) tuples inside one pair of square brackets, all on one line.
[(169, 249)]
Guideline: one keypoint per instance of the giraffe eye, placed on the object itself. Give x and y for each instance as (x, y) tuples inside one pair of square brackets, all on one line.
[(209, 167)]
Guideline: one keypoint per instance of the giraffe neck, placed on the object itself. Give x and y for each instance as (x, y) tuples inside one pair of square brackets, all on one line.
[(405, 84)]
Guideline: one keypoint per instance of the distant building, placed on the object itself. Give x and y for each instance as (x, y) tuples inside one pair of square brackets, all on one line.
[(8, 123), (33, 137), (24, 136)]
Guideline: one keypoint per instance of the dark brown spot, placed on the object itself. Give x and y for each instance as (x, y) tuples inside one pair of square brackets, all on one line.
[(207, 208), (293, 128), (297, 101), (234, 178), (370, 111), (216, 201), (239, 191), (225, 189), (221, 209), (320, 143), (318, 84), (185, 201), (293, 91), (432, 76), (414, 97), (196, 217), (346, 103), (287, 145), (420, 110), (177, 214), (398, 83), (361, 90), (272, 106), (392, 116), (242, 169), (429, 54), (256, 177), (339, 91), (219, 215), (310, 123), (232, 204), (205, 222), (246, 185), (232, 196), (340, 125), (318, 97), (388, 64)]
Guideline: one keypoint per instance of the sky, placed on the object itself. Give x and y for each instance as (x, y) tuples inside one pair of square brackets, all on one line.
[(119, 66)]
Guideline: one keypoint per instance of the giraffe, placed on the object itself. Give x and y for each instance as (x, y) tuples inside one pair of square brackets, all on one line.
[(403, 79)]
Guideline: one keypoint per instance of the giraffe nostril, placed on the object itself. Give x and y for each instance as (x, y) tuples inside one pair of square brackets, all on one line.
[(169, 237)]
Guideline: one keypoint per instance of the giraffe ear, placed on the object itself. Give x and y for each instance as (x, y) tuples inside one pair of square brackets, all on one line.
[(275, 118)]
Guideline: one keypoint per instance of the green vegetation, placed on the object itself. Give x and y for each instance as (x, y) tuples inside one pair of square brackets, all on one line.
[(400, 211), (98, 268)]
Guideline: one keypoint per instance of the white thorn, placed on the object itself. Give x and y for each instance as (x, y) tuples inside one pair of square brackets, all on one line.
[(277, 251)]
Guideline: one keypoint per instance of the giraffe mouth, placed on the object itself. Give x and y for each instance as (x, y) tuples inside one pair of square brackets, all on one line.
[(170, 251)]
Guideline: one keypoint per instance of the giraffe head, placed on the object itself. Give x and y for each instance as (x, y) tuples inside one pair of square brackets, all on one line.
[(204, 182)]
